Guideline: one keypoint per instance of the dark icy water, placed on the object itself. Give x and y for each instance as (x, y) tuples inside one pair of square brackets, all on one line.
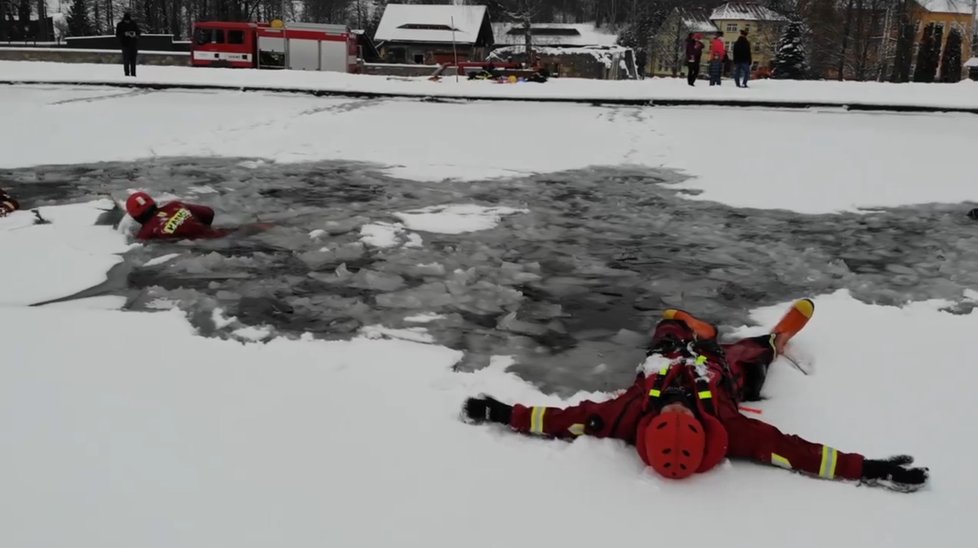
[(574, 283)]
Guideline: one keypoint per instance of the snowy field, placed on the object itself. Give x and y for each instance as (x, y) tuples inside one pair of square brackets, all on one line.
[(963, 95), (121, 426)]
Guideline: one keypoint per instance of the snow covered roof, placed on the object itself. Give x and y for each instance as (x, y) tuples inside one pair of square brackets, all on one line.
[(554, 34), (427, 23), (745, 11), (696, 20), (973, 62), (946, 6)]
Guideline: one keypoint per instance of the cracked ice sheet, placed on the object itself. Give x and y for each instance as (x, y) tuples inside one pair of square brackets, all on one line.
[(417, 140), (66, 255)]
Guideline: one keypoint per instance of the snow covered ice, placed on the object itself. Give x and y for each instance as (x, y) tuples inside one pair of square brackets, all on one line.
[(301, 386)]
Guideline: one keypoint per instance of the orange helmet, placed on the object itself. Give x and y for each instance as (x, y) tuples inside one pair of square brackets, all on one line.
[(140, 205), (673, 444)]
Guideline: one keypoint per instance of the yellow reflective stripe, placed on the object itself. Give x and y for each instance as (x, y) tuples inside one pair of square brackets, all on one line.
[(536, 420), (829, 457), (705, 394), (577, 429), (654, 393), (778, 460), (664, 371), (700, 360)]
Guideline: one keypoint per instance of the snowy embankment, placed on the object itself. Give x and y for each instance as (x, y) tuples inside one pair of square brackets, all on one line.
[(962, 96), (121, 429)]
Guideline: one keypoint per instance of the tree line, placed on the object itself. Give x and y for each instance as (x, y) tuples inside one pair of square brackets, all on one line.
[(850, 39)]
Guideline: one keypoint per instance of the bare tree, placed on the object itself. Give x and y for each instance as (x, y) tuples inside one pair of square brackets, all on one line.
[(520, 11)]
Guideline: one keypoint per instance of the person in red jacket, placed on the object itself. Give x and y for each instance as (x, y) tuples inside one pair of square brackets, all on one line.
[(172, 220), (718, 56), (682, 413), (7, 204)]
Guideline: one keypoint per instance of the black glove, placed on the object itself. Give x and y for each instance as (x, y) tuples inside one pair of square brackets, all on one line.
[(487, 409), (894, 473)]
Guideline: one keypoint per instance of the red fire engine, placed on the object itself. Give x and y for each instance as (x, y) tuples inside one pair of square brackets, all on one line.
[(275, 45)]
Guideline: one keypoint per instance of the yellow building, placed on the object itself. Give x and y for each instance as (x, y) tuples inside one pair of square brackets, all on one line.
[(764, 28), (945, 14)]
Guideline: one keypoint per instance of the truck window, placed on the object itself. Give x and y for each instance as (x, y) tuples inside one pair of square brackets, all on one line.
[(209, 36), (235, 37)]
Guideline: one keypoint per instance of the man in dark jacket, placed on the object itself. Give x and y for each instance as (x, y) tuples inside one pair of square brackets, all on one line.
[(742, 60), (682, 413), (694, 52), (127, 31)]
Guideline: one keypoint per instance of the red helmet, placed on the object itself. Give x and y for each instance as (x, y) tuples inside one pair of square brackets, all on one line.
[(139, 204), (673, 444)]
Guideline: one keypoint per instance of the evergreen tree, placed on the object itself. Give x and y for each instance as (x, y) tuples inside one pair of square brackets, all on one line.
[(903, 57), (951, 61), (926, 67), (79, 23), (790, 62)]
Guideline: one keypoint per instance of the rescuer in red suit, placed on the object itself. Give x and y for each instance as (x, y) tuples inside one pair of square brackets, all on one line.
[(172, 220), (682, 413), (7, 204)]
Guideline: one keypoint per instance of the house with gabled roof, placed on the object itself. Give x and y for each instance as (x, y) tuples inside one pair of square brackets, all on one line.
[(433, 34), (945, 15)]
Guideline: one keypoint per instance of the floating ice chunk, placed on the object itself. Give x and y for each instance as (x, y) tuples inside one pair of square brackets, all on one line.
[(378, 281), (433, 295), (318, 259), (511, 324), (335, 228), (317, 233), (220, 320), (414, 240), (203, 189), (350, 252), (252, 333), (162, 304), (416, 334), (161, 259), (424, 318), (455, 218), (429, 269), (380, 234)]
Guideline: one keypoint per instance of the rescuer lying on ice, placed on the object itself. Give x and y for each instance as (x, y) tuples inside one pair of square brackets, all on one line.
[(176, 220), (7, 204), (682, 412)]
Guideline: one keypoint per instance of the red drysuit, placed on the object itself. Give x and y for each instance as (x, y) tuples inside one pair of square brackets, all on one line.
[(746, 437), (180, 220), (7, 204)]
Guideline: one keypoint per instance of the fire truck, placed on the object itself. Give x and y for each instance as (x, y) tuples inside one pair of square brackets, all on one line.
[(274, 45)]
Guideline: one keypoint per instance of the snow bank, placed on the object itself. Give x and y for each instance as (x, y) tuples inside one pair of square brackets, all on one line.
[(770, 91), (203, 442)]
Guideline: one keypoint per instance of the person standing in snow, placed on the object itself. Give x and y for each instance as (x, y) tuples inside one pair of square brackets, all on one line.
[(128, 33), (742, 60), (682, 413), (694, 53), (7, 204), (172, 220), (718, 55)]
